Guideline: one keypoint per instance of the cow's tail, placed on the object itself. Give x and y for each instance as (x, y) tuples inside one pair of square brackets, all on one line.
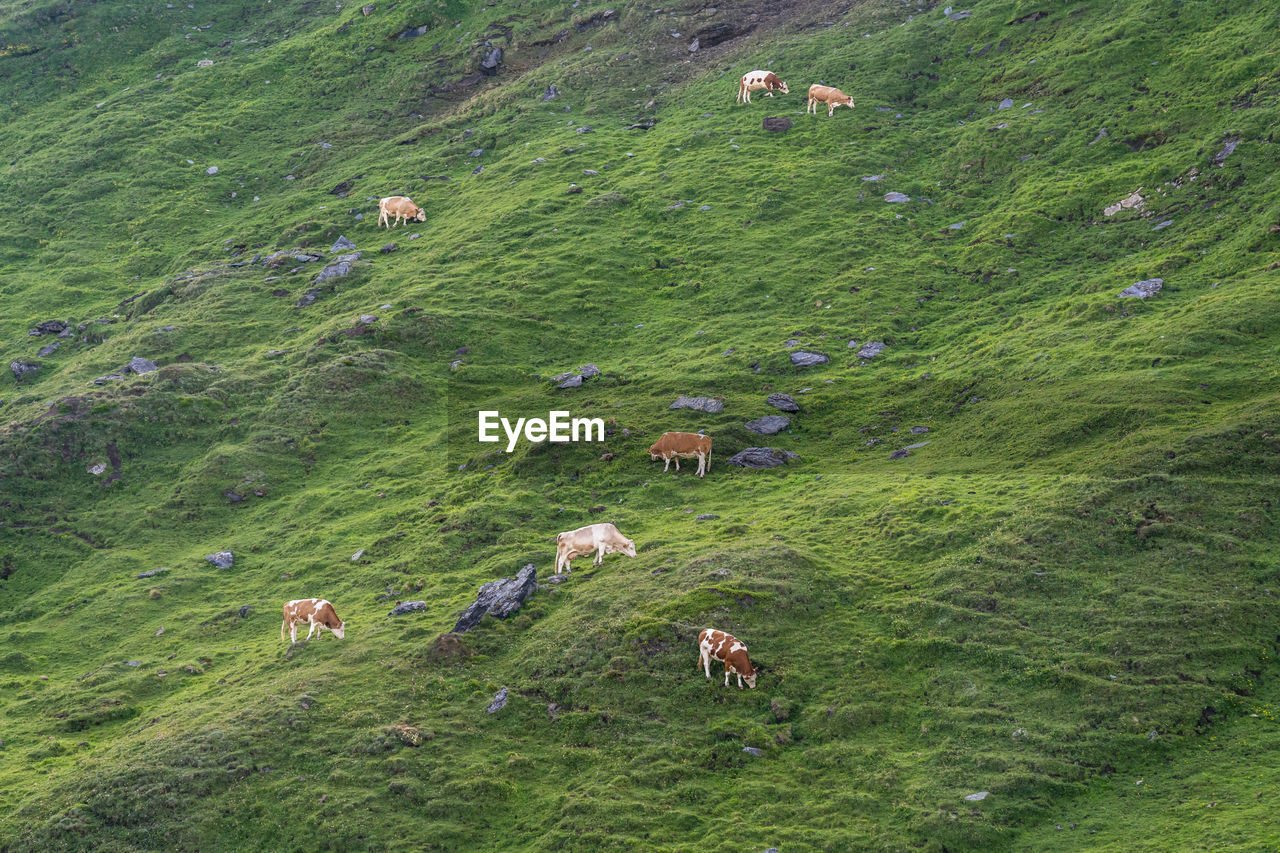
[(741, 86), (284, 628)]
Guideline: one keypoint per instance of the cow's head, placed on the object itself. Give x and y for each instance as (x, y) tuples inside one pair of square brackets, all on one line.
[(421, 215), (849, 103), (782, 87), (340, 631), (653, 453), (629, 547), (751, 679)]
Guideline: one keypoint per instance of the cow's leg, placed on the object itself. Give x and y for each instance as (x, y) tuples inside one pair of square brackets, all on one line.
[(293, 632), (702, 464), (831, 110), (726, 674), (677, 458), (739, 681), (284, 629), (311, 630), (705, 660)]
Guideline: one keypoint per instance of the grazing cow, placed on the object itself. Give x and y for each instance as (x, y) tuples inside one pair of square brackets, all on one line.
[(689, 445), (829, 95), (731, 650), (317, 612), (401, 208), (601, 538), (755, 80)]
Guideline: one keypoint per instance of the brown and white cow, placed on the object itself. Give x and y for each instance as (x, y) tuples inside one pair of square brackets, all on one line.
[(401, 208), (601, 538), (756, 80), (316, 612), (729, 649), (686, 445), (829, 95)]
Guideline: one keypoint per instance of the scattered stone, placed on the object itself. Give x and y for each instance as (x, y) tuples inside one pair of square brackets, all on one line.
[(705, 207), (960, 16), (752, 750), (694, 45), (769, 424), (896, 197), (871, 349), (110, 377), (706, 516), (1165, 224), (367, 10), (1005, 104), (917, 430), (48, 349), (573, 188), (140, 365), (342, 245), (588, 370), (1102, 134), (701, 404), (499, 598), (476, 152), (978, 797), (97, 469), (151, 573), (571, 382), (167, 329), (906, 451), (388, 249), (233, 496), (492, 59), (801, 358), (1143, 289), (133, 663), (586, 128), (355, 558), (368, 318), (338, 270), (48, 327), (955, 226), (204, 63), (1228, 148), (407, 607), (499, 702), (873, 178), (590, 172), (551, 94), (308, 297), (221, 559), (1134, 201), (776, 124), (783, 402), (414, 32), (762, 457), (21, 369), (212, 170)]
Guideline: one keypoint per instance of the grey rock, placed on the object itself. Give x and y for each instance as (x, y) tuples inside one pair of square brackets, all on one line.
[(476, 152), (590, 172), (551, 94), (48, 327), (499, 702), (1165, 224), (955, 226), (338, 270), (776, 124), (705, 207), (783, 402), (1228, 148), (492, 59), (407, 607), (871, 349), (694, 45), (140, 365), (355, 558), (960, 16), (978, 797), (68, 332), (368, 318), (244, 611), (1143, 289), (762, 457), (221, 559), (342, 245), (133, 663), (367, 10), (904, 452), (477, 170), (97, 469), (571, 382), (706, 516), (308, 297), (1102, 134), (212, 170), (896, 197), (499, 598), (560, 377), (167, 329), (110, 377), (1005, 104), (873, 178), (769, 424), (48, 349), (586, 128), (233, 496), (414, 32), (800, 358), (588, 370), (388, 249), (151, 573), (701, 404), (752, 750), (917, 430), (21, 369)]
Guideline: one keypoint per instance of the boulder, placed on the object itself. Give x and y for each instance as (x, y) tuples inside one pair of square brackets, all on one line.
[(1143, 289), (407, 607), (342, 245), (551, 94), (355, 558), (800, 358), (499, 701), (701, 404), (871, 349), (588, 370), (221, 559), (48, 327), (22, 369), (388, 249), (307, 298), (571, 382), (762, 457), (783, 402), (1228, 148), (48, 349), (896, 197), (499, 598), (769, 424), (151, 573), (489, 64), (978, 797), (140, 365), (338, 270)]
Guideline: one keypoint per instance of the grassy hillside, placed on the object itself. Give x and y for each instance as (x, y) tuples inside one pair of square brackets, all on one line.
[(1065, 598)]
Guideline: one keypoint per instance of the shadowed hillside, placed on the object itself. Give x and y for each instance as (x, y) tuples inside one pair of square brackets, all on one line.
[(1026, 545)]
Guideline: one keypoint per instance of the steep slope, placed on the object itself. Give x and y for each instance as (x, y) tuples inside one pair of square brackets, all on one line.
[(1070, 588)]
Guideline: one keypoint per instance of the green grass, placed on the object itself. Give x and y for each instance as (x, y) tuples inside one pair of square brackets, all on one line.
[(1069, 589)]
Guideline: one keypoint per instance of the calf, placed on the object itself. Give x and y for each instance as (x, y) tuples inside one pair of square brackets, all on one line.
[(731, 650), (601, 538), (401, 208), (687, 445), (755, 80), (829, 95), (316, 612)]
